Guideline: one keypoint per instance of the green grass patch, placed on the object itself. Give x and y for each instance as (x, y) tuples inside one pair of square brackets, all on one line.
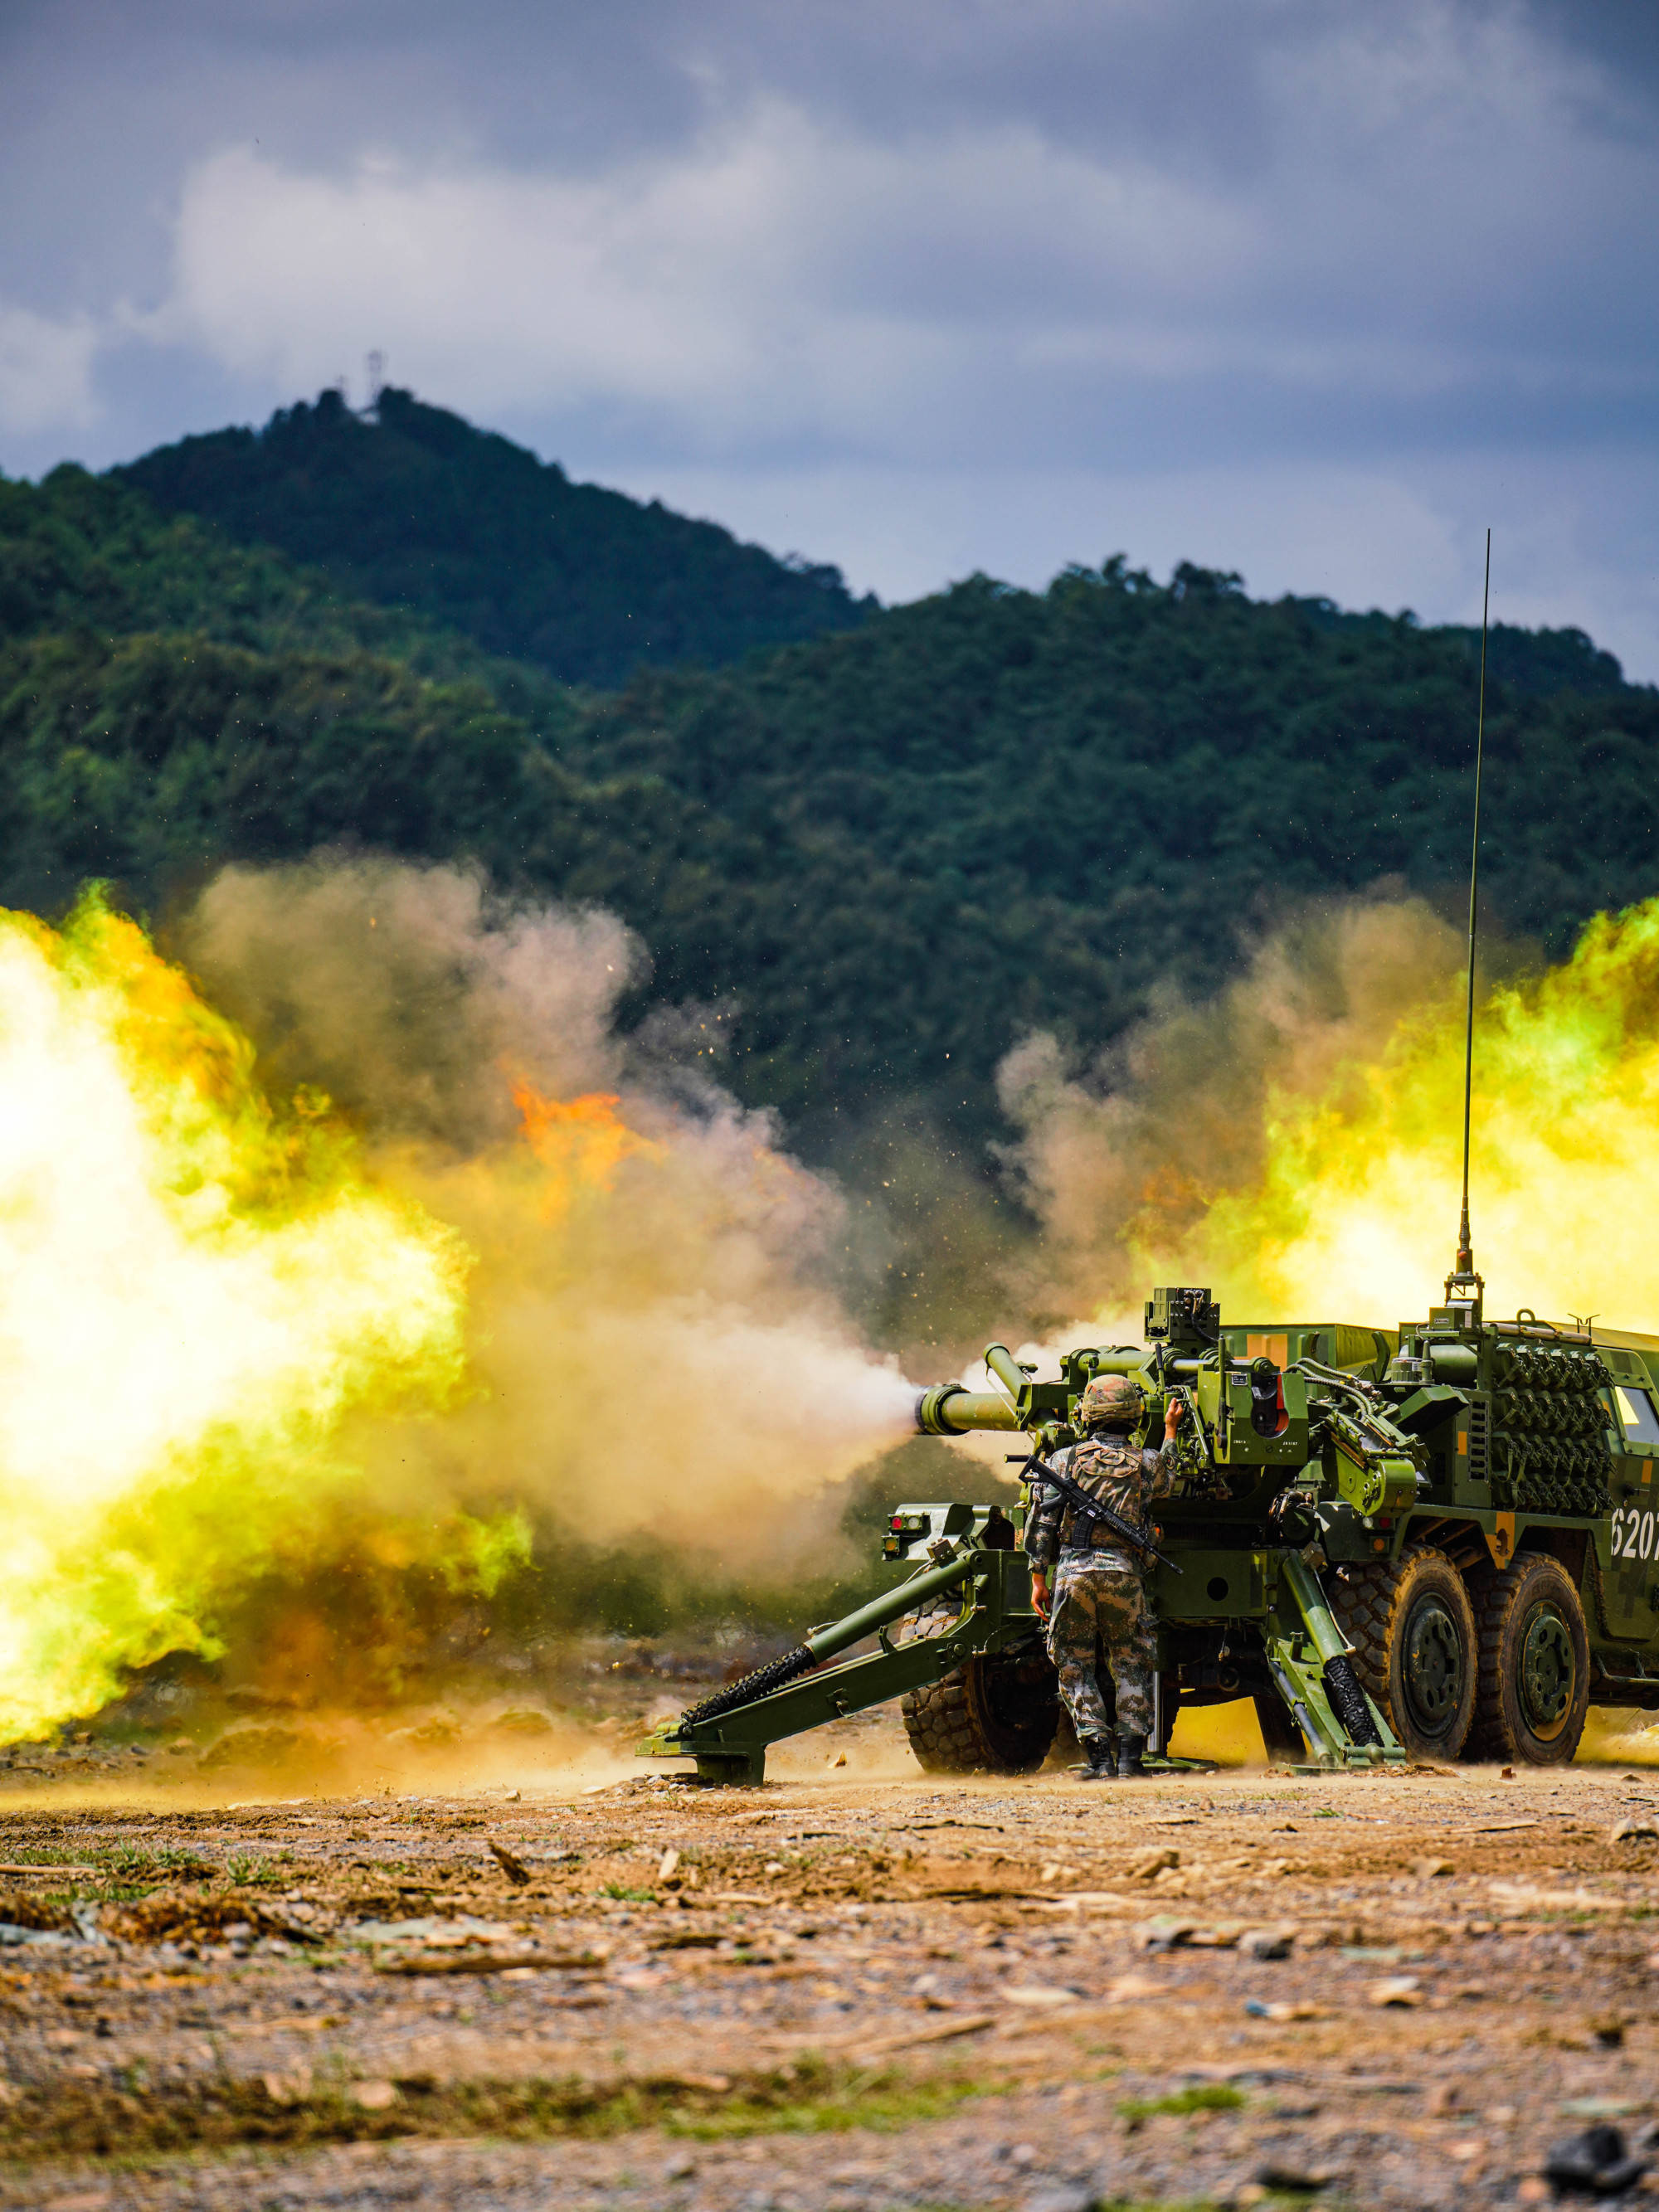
[(1159, 2205), (810, 2097), (94, 1893), (248, 1871), (175, 1863), (822, 2101), (128, 1861), (623, 1895), (1201, 2097), (130, 1872)]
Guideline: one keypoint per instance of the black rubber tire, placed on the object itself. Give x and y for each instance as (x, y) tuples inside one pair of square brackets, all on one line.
[(994, 1714), (1532, 1692), (1412, 1628), (1280, 1737)]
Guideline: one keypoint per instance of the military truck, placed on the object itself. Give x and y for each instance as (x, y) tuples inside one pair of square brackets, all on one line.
[(1435, 1542), (1440, 1542)]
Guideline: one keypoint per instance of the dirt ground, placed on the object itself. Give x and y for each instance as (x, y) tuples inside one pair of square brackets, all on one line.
[(562, 1982)]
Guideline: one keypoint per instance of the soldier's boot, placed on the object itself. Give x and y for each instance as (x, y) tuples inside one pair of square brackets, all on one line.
[(1131, 1751), (1101, 1759)]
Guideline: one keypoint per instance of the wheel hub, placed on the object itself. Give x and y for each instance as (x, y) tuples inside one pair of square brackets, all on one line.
[(1434, 1667), (1548, 1672)]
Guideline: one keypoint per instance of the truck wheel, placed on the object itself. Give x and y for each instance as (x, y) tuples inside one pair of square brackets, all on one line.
[(996, 1712), (1412, 1629), (1534, 1692)]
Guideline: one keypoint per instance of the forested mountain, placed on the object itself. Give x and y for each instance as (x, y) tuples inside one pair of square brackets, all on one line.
[(1538, 660), (887, 852), (81, 552), (1019, 809), (169, 700), (411, 506)]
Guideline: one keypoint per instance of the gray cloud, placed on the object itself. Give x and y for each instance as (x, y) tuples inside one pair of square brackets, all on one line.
[(917, 285)]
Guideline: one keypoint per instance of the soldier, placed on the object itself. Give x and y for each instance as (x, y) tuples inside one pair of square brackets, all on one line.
[(1099, 1594)]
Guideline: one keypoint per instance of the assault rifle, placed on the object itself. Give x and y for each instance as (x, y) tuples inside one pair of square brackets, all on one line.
[(1092, 1513)]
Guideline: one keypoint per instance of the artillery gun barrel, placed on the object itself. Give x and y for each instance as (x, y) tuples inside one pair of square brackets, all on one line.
[(948, 1410), (1262, 1438)]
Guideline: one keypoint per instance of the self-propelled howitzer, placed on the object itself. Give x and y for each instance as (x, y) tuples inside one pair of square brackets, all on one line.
[(1437, 1541)]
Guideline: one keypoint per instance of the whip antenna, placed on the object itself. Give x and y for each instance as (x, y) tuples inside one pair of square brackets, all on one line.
[(1462, 1274)]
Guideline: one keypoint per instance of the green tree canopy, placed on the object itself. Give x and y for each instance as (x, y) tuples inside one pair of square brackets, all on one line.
[(409, 506)]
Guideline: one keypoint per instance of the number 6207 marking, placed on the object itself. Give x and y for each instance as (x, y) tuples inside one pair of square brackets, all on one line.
[(1632, 1534)]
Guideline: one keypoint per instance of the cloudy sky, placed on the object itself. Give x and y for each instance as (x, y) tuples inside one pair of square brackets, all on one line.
[(1311, 289)]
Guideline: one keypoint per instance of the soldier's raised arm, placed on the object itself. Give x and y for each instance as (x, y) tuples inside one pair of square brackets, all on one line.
[(1163, 1469)]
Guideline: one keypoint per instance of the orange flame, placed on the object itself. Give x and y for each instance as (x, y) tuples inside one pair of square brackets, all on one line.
[(581, 1142)]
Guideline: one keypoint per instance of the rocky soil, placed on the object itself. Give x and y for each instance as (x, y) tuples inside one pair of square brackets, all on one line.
[(857, 1987)]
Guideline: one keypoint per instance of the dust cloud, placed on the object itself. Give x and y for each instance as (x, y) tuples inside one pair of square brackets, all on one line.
[(1213, 1142), (356, 1264), (658, 1355)]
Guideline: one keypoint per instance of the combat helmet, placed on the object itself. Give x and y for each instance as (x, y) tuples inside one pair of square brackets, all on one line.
[(1111, 1401)]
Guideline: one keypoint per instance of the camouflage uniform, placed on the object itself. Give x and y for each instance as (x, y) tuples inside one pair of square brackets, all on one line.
[(1100, 1593)]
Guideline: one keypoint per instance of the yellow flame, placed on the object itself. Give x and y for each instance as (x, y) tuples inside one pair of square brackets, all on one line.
[(1355, 1214), (197, 1287)]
